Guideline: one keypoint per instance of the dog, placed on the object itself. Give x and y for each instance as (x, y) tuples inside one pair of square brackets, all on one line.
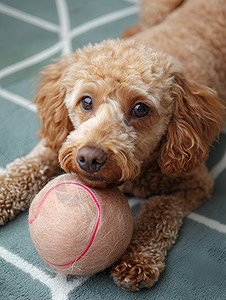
[(140, 113)]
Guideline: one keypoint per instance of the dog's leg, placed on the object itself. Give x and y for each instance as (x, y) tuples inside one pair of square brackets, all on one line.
[(23, 178), (155, 230)]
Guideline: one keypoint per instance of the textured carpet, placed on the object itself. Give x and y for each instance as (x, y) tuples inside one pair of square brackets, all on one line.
[(32, 33)]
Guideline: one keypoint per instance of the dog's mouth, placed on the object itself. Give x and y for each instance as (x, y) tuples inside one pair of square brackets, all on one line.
[(88, 177), (92, 181), (94, 178), (98, 182)]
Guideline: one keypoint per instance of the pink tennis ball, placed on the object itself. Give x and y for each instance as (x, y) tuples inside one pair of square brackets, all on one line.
[(79, 230)]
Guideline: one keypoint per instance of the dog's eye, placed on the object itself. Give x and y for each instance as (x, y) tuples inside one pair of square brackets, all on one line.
[(87, 103), (140, 110)]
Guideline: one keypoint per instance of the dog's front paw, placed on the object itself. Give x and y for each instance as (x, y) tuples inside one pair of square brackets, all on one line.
[(137, 271)]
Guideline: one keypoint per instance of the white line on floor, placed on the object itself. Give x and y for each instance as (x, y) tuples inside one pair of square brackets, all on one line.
[(64, 20), (103, 20), (32, 60), (219, 167), (17, 99), (208, 222), (58, 285), (31, 19)]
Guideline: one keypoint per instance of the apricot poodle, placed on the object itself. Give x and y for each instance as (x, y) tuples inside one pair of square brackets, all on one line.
[(138, 112)]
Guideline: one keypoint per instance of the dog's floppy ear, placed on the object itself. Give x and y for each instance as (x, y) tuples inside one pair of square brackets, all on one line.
[(50, 104), (196, 120)]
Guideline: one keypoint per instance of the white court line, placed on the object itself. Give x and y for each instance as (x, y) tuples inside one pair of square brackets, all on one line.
[(2, 171), (59, 286), (20, 15), (32, 60), (108, 18), (219, 167), (58, 46), (17, 99), (208, 222), (64, 20), (133, 1)]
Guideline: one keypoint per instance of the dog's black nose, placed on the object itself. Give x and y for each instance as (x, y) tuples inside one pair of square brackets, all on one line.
[(91, 159)]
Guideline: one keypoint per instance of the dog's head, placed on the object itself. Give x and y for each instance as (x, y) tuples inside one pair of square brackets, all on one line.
[(107, 108)]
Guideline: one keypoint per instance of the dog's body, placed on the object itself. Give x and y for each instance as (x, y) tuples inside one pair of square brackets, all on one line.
[(193, 32), (119, 113)]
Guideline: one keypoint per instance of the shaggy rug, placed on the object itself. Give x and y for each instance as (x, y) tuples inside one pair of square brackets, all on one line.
[(32, 33)]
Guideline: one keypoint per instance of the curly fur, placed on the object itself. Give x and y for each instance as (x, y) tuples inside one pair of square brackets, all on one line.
[(24, 178), (172, 68), (192, 112), (195, 121)]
